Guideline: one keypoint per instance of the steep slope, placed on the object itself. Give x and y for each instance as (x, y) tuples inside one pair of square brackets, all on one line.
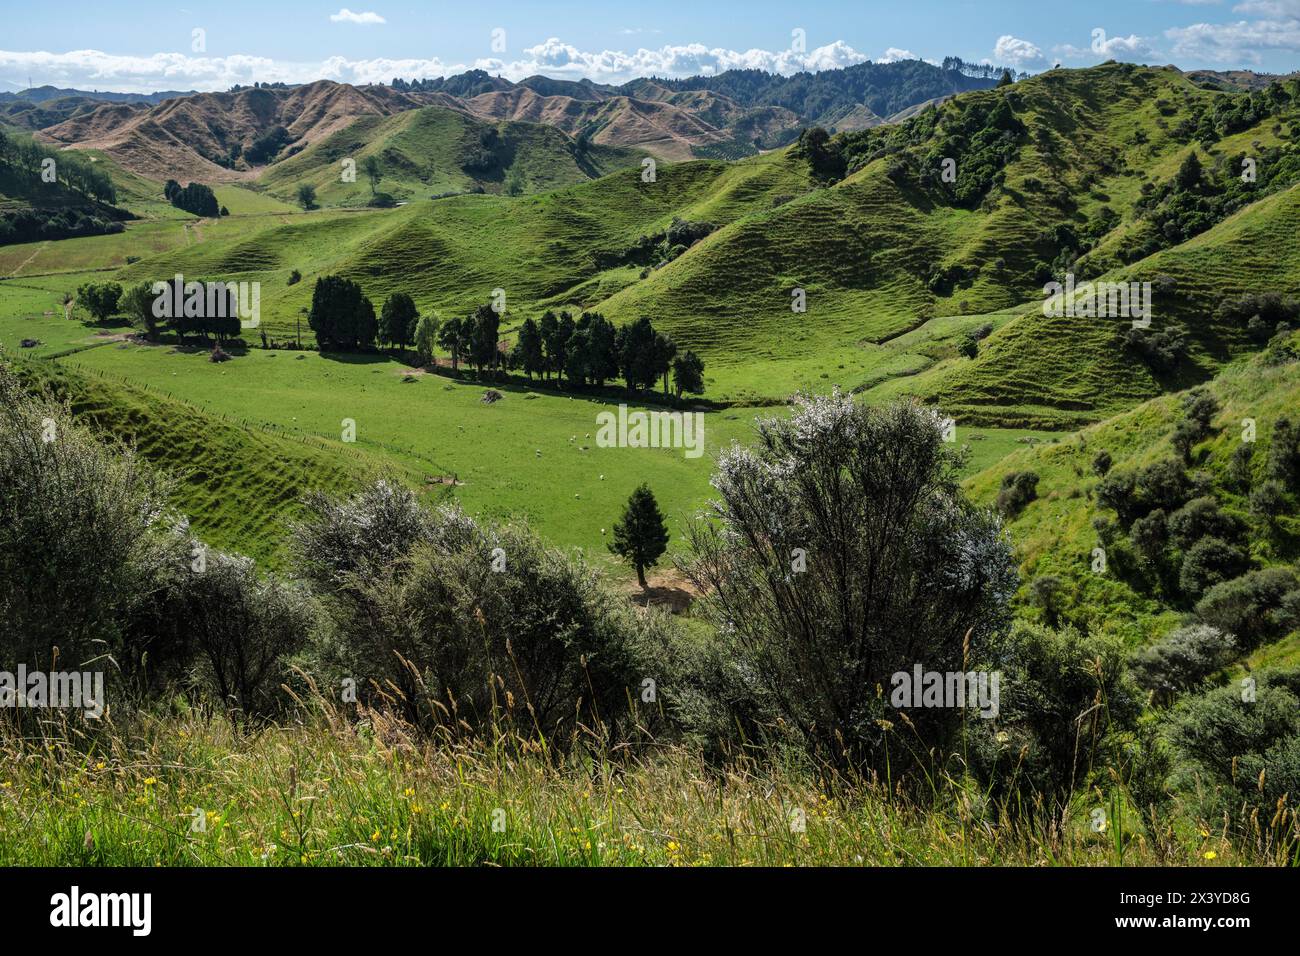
[(435, 151), (203, 137), (1056, 533), (1037, 370), (32, 116), (568, 247), (816, 98), (239, 484), (1047, 171)]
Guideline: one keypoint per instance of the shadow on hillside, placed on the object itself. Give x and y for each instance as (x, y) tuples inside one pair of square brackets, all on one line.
[(357, 358), (677, 600), (608, 395)]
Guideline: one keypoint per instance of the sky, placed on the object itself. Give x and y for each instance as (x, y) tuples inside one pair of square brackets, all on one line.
[(148, 46)]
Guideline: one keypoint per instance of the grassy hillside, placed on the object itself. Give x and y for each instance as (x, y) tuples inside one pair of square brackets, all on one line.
[(543, 250), (238, 482), (431, 151), (1052, 174), (1055, 534)]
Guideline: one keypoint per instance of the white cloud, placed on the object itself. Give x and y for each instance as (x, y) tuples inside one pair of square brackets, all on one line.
[(95, 69), (1132, 48), (1269, 8), (365, 19), (555, 57), (894, 54), (1240, 42), (1013, 51)]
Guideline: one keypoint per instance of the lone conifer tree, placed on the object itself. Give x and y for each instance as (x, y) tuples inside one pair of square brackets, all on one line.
[(641, 536)]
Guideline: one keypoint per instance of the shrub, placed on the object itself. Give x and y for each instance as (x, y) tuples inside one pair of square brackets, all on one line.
[(1251, 606), (1101, 463), (1017, 490), (1047, 592), (1064, 697), (1118, 492), (1284, 454), (244, 627), (1162, 349), (1233, 751), (345, 541), (1268, 501), (1163, 484), (1200, 518), (1150, 536), (1183, 660), (462, 625), (86, 539), (1239, 472), (1208, 562), (842, 552)]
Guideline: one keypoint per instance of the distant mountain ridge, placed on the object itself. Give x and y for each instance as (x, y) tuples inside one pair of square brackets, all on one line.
[(42, 94)]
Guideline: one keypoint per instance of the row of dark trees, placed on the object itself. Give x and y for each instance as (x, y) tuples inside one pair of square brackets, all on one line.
[(196, 198), (589, 350), (106, 299)]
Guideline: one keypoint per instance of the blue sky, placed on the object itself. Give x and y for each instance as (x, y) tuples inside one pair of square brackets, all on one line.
[(154, 45)]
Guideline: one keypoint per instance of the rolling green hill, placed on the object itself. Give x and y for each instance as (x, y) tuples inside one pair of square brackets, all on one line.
[(431, 151), (238, 482), (1056, 533), (1067, 171)]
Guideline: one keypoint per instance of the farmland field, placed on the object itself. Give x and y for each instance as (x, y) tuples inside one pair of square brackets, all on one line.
[(649, 461)]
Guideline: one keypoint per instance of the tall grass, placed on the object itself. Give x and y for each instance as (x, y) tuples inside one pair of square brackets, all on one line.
[(331, 788)]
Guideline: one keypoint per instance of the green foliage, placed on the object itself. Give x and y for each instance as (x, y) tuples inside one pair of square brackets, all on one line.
[(1234, 750), (426, 337), (137, 303), (483, 335), (688, 373), (195, 198), (397, 320), (822, 153), (640, 535), (473, 625), (1018, 489), (1208, 562), (243, 628), (1183, 660), (1101, 463), (341, 316), (265, 147), (86, 540), (1065, 701), (1257, 607), (842, 552), (100, 299), (528, 349)]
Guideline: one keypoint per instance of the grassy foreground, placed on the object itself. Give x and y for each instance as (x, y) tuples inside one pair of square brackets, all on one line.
[(329, 791)]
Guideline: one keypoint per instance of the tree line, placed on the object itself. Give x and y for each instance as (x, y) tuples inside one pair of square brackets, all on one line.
[(195, 198), (26, 158), (587, 350)]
